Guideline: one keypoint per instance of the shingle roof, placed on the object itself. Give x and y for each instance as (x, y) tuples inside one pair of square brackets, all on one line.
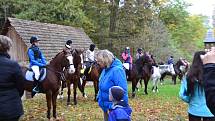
[(52, 36), (209, 36)]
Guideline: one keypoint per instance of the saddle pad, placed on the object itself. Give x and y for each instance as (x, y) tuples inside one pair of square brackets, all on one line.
[(126, 65), (29, 75)]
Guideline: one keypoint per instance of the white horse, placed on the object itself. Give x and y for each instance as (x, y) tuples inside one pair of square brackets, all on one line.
[(157, 72)]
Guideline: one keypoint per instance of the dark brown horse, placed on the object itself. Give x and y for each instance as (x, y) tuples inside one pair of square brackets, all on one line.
[(93, 75), (178, 71), (51, 83), (140, 70), (74, 77)]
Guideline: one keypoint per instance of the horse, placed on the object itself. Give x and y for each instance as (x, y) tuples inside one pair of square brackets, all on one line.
[(140, 70), (157, 72), (51, 83), (73, 77), (93, 75), (178, 71)]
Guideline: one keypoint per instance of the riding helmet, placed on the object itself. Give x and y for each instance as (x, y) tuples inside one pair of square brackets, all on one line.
[(34, 39), (68, 42)]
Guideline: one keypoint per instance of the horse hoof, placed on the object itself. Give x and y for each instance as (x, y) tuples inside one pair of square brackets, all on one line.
[(161, 83), (153, 91)]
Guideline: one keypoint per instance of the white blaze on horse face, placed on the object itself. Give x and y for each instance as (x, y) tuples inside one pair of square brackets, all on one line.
[(71, 67)]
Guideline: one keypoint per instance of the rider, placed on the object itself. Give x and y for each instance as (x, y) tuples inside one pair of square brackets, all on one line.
[(37, 60), (68, 44), (90, 58), (139, 53), (170, 60), (127, 59)]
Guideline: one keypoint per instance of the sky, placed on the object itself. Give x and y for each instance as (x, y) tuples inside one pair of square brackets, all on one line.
[(204, 7)]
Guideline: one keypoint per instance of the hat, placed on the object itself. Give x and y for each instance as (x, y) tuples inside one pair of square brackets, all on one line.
[(117, 93), (127, 48), (68, 42), (34, 39)]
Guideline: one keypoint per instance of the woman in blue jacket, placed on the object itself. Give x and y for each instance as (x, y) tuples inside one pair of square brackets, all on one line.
[(192, 91), (112, 74)]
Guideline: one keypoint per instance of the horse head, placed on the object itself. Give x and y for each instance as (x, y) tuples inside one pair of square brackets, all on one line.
[(77, 59), (61, 60)]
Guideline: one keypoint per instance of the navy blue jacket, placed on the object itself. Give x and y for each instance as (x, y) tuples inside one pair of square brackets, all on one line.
[(11, 88), (209, 85), (120, 112)]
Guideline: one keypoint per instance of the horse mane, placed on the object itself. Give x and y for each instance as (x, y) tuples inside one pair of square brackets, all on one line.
[(55, 57)]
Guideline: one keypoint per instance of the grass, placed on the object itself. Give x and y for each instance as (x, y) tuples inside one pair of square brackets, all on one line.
[(162, 106)]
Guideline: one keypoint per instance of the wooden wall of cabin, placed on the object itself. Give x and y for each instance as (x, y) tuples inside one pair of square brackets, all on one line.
[(18, 51)]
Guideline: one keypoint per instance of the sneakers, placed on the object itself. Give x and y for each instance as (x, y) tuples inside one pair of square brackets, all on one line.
[(83, 77)]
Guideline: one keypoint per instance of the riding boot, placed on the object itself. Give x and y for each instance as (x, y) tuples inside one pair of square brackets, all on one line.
[(85, 73)]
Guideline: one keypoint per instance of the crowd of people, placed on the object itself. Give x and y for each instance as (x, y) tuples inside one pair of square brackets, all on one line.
[(197, 87)]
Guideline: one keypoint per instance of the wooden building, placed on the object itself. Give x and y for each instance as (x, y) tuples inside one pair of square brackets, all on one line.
[(53, 37)]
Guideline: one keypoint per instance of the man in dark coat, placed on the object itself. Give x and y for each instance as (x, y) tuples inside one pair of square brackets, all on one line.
[(209, 78), (11, 84)]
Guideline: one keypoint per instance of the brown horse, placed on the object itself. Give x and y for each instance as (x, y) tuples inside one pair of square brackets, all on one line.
[(140, 70), (93, 76), (51, 83), (74, 77)]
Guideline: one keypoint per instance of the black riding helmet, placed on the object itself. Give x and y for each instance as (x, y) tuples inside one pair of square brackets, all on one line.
[(68, 42), (92, 47), (139, 49), (34, 39)]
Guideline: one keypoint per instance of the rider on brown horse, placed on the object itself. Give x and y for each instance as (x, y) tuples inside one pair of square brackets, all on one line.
[(37, 61), (90, 59)]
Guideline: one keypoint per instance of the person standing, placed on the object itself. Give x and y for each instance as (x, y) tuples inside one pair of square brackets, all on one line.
[(11, 84), (209, 78), (192, 91), (112, 74)]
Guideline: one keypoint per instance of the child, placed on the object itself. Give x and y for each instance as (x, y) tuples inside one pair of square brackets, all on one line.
[(120, 111)]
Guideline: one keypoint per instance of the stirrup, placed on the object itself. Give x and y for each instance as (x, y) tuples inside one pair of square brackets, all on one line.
[(36, 89), (83, 77)]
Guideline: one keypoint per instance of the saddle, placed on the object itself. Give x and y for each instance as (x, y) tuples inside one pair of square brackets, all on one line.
[(29, 75)]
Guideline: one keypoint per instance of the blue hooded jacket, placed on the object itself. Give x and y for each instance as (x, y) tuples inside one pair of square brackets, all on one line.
[(112, 76), (36, 57), (120, 113)]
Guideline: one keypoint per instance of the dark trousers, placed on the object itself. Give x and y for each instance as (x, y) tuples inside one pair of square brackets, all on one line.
[(197, 118), (10, 119)]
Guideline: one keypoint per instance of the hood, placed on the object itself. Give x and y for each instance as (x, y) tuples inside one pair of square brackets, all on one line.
[(116, 63)]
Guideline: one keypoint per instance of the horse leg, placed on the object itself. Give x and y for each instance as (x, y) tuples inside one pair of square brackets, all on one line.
[(174, 79), (146, 80), (83, 87), (61, 91), (68, 94), (162, 78), (75, 93), (95, 83), (48, 100), (154, 84), (134, 86), (54, 98)]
